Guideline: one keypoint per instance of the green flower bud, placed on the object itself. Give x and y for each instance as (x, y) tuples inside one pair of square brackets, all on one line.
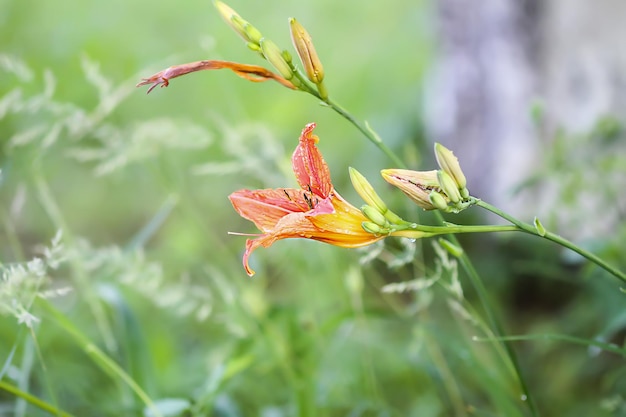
[(252, 33), (448, 186), (232, 19), (438, 201), (372, 228), (287, 56), (274, 55), (374, 215), (366, 191), (254, 47), (450, 164)]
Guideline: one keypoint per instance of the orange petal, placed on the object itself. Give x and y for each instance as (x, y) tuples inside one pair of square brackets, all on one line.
[(266, 207), (309, 166)]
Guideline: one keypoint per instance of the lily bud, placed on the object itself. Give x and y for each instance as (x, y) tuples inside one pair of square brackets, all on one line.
[(450, 164), (438, 200), (417, 185), (448, 186), (366, 191), (374, 215), (373, 228), (274, 55), (306, 51), (248, 32), (252, 33)]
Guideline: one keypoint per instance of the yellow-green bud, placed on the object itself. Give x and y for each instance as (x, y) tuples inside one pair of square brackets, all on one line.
[(255, 47), (232, 19), (252, 33), (274, 55), (438, 200), (366, 191), (372, 228), (417, 185), (374, 215), (448, 186), (287, 56), (306, 51), (450, 164), (539, 227)]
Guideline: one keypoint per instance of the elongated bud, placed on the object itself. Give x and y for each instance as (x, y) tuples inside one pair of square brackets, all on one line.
[(248, 32), (274, 55), (448, 186), (450, 164), (373, 228), (306, 51), (366, 191), (438, 200), (374, 215), (417, 185)]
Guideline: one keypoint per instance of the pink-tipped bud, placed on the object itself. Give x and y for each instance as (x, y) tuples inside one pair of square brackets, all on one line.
[(417, 185)]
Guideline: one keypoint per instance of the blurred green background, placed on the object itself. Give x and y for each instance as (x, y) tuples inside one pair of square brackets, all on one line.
[(145, 269)]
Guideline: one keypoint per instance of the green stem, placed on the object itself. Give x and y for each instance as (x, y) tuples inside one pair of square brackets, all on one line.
[(444, 230), (310, 88), (367, 131), (31, 399), (531, 229)]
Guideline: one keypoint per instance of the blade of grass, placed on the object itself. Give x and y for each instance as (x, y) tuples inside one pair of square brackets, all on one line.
[(31, 399), (609, 347), (99, 357)]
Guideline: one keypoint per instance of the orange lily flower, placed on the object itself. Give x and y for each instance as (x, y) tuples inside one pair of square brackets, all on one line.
[(315, 211)]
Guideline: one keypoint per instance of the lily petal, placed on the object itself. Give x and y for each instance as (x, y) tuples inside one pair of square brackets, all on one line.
[(266, 207), (309, 166)]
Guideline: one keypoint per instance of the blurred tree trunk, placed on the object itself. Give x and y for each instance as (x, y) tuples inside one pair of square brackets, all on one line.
[(496, 58), (483, 88)]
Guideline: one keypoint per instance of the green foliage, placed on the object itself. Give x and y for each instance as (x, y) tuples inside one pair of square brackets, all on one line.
[(122, 294)]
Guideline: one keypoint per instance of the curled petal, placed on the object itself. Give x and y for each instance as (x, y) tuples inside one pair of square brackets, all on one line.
[(309, 166), (253, 73)]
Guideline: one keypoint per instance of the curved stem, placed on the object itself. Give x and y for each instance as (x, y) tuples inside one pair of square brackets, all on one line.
[(366, 130), (530, 229)]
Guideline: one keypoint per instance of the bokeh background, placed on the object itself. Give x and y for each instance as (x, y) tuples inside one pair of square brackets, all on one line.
[(138, 303)]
